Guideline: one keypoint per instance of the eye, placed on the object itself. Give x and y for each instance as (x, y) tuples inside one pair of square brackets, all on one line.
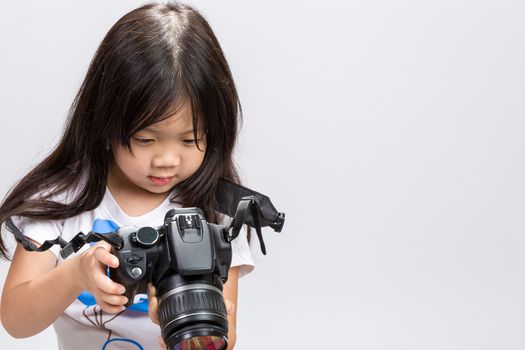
[(143, 141), (189, 142)]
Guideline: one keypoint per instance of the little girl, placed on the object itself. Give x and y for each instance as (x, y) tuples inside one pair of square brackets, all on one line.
[(152, 128)]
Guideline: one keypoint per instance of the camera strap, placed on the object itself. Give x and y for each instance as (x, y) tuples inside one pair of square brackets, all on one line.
[(244, 205), (248, 207), (230, 195), (68, 248), (27, 244), (81, 239)]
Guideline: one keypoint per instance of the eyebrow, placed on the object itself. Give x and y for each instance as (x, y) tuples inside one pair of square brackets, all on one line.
[(159, 130)]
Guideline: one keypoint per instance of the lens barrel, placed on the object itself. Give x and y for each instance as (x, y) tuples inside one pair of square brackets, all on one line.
[(192, 313)]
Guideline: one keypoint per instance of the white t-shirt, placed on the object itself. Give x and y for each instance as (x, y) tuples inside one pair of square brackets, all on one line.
[(83, 325)]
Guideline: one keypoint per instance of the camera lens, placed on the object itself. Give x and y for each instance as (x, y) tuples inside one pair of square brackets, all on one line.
[(192, 313), (204, 342)]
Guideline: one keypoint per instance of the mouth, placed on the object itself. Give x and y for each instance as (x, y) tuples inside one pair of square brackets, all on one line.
[(164, 180)]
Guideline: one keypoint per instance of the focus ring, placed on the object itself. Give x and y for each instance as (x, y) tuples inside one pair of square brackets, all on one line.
[(189, 302)]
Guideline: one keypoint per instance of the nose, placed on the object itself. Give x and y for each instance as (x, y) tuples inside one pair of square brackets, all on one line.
[(166, 158)]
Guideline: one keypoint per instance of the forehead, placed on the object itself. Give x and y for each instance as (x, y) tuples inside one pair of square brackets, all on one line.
[(178, 119)]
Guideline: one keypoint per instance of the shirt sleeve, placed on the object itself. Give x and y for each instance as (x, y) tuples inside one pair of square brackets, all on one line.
[(40, 230), (241, 253)]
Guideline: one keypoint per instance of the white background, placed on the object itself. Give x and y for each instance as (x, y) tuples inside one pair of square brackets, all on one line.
[(390, 132)]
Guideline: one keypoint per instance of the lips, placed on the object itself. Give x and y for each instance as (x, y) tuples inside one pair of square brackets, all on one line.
[(160, 181)]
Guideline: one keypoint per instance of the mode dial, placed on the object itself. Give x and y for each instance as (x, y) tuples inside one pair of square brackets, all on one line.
[(145, 237)]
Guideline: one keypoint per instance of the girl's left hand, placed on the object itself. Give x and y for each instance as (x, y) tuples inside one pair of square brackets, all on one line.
[(154, 315)]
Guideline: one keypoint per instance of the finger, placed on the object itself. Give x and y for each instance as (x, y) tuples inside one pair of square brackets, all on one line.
[(153, 304), (112, 309), (106, 285), (104, 245), (105, 257), (112, 299), (152, 291), (161, 343), (153, 310), (230, 307)]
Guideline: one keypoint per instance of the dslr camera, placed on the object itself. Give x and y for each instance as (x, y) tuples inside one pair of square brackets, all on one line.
[(187, 259)]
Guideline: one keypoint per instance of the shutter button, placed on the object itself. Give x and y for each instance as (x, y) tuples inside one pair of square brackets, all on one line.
[(136, 272)]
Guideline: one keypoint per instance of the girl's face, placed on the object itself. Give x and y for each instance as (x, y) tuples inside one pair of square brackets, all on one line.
[(161, 155)]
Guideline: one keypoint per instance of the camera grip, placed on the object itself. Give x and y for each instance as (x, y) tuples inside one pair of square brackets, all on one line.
[(131, 291), (131, 272), (131, 286)]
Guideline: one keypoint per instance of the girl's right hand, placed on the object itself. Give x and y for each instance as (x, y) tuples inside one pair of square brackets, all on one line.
[(92, 267)]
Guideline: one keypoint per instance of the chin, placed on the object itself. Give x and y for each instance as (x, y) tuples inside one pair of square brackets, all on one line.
[(160, 190)]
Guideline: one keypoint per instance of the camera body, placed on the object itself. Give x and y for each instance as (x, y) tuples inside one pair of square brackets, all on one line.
[(187, 259)]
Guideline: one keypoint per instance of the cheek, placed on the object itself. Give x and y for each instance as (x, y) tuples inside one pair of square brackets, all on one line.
[(195, 161), (129, 162), (199, 159)]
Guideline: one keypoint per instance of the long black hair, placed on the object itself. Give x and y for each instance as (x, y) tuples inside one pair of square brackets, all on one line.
[(154, 59)]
